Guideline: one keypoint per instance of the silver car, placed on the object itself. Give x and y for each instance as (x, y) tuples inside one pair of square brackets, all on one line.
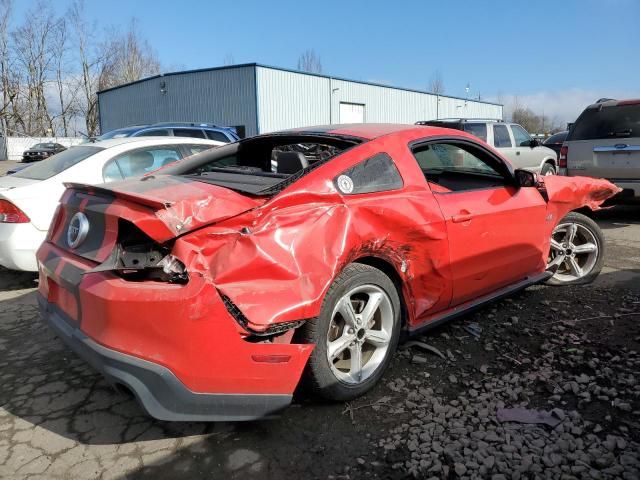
[(510, 139), (604, 142)]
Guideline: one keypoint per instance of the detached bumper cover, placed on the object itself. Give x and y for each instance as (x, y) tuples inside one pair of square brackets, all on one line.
[(157, 389)]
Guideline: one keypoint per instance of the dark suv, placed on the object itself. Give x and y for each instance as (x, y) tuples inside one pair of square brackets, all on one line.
[(176, 129)]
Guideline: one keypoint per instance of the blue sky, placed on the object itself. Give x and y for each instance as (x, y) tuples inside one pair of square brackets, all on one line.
[(554, 55)]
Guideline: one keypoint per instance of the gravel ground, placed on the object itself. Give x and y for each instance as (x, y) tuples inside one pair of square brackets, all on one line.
[(572, 350)]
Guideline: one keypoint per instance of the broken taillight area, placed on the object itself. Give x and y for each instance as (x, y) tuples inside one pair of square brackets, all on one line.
[(136, 257)]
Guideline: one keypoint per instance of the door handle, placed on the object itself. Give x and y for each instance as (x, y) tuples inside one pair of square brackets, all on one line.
[(463, 216), (517, 153)]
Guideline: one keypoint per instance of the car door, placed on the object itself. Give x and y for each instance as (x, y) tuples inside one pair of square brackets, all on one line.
[(527, 157), (503, 141), (495, 230)]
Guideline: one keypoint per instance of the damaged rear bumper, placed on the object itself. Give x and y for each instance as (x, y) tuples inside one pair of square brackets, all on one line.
[(158, 390)]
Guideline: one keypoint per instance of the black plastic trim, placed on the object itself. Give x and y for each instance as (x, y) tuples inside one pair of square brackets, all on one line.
[(157, 389), (472, 305)]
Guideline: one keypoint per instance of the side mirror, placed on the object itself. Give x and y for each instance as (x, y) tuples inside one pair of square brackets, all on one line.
[(525, 178), (534, 143)]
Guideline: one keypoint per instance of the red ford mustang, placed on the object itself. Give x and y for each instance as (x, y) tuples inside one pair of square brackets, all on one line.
[(208, 288)]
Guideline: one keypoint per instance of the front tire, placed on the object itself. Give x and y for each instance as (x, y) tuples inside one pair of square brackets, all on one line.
[(577, 250), (548, 169), (355, 334)]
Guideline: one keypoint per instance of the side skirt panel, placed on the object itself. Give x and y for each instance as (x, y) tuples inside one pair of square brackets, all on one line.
[(472, 305)]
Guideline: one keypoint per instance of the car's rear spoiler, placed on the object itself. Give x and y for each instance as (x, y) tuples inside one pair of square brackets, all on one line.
[(144, 200)]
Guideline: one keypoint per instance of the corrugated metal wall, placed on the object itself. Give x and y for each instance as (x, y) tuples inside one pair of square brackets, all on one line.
[(222, 96), (266, 99), (289, 99)]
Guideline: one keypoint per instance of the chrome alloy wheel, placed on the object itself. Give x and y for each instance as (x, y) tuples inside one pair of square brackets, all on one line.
[(359, 333), (574, 251)]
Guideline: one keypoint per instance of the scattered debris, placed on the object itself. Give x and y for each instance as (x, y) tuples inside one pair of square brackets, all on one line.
[(525, 415), (424, 346), (474, 329)]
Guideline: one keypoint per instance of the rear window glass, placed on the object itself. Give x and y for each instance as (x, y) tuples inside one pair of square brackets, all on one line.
[(188, 132), (621, 121), (376, 174), (219, 136), (58, 163), (477, 129)]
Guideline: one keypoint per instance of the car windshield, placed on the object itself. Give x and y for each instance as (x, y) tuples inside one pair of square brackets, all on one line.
[(42, 146), (620, 121), (119, 133), (57, 163)]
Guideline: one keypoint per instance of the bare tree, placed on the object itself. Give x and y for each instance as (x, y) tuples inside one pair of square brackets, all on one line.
[(66, 94), (44, 87), (7, 83), (32, 44), (132, 59), (436, 83), (91, 59), (309, 62)]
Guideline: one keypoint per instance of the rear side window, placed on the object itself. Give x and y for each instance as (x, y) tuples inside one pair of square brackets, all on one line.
[(620, 121), (376, 174), (139, 162), (188, 132), (219, 136), (58, 163), (501, 138), (194, 149), (477, 129)]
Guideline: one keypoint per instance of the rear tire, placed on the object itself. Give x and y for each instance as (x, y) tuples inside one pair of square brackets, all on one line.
[(355, 334), (577, 247)]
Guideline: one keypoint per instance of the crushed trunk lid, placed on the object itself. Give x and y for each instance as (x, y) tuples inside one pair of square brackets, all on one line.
[(180, 203)]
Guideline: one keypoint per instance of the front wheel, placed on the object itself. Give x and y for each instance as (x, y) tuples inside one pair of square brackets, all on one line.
[(577, 251), (355, 334), (548, 169)]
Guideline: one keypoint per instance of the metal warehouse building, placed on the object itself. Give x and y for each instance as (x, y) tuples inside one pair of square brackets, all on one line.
[(258, 99)]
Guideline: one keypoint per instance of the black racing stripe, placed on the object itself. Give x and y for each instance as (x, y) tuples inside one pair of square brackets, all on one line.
[(95, 209), (70, 277)]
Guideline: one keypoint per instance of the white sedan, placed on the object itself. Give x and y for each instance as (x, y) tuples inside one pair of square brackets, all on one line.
[(29, 197)]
